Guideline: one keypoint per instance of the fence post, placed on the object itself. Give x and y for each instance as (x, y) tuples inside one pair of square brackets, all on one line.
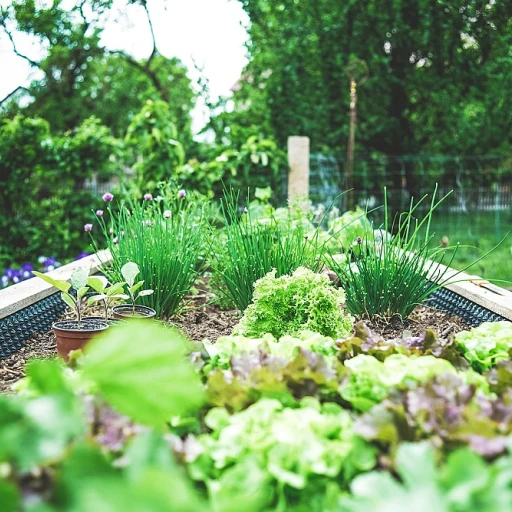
[(298, 160)]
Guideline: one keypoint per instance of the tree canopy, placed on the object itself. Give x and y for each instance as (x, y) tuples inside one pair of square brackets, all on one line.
[(440, 72), (82, 78)]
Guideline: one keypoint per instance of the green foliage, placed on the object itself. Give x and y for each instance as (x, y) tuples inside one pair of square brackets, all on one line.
[(265, 435), (292, 303), (463, 482), (80, 77), (286, 347), (487, 344), (43, 203), (391, 275), (164, 238), (371, 379), (350, 226), (130, 271), (251, 249), (152, 137), (106, 293), (134, 377), (47, 444), (440, 71), (255, 162), (79, 280)]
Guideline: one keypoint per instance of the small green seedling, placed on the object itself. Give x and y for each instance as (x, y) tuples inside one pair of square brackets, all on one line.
[(106, 293), (78, 283), (129, 271)]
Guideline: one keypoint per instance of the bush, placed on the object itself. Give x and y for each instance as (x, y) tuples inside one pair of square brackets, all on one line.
[(42, 200), (290, 304)]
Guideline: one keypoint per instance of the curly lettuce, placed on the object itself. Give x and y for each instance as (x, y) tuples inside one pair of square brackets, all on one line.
[(288, 305), (371, 379), (487, 344), (299, 450)]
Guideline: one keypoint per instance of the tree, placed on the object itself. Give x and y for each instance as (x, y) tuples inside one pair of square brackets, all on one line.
[(82, 78), (440, 73)]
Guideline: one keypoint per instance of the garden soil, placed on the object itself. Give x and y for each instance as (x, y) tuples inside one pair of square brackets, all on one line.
[(205, 321)]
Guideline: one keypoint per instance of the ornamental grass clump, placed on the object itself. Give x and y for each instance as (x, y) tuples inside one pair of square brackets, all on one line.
[(248, 249), (390, 275), (165, 238), (293, 303)]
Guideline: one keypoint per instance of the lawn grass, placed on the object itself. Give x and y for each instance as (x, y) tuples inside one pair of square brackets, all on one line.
[(481, 231)]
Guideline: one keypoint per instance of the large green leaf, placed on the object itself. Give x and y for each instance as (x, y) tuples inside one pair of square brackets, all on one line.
[(97, 283), (79, 278), (60, 284), (129, 271), (142, 372)]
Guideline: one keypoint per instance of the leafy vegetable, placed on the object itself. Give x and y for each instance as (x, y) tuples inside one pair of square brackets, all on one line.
[(463, 483), (350, 226), (255, 375), (371, 380), (365, 341), (286, 347), (487, 344), (444, 409), (266, 436), (140, 371), (289, 304)]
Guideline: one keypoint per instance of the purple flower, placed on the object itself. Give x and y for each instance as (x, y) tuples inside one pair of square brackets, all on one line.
[(99, 213), (148, 197), (167, 214), (82, 255), (49, 262), (12, 273), (107, 197), (5, 281), (27, 266), (181, 194), (359, 240), (87, 227)]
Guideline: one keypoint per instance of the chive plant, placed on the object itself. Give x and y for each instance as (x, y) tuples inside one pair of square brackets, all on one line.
[(165, 239), (390, 275), (248, 249)]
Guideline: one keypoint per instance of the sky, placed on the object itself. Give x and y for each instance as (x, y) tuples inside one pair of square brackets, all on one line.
[(209, 32)]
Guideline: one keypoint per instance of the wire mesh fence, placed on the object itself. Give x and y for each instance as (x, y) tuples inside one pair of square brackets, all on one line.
[(479, 183)]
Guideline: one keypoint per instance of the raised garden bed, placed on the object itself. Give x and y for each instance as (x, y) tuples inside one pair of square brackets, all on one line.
[(308, 423), (27, 311)]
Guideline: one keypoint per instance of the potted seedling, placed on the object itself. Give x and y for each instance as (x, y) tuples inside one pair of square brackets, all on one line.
[(130, 271), (106, 294), (73, 334)]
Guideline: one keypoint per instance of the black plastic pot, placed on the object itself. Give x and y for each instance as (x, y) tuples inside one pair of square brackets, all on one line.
[(113, 322), (126, 312)]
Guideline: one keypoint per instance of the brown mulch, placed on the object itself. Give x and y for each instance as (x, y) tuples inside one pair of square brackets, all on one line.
[(422, 318), (202, 320), (12, 368)]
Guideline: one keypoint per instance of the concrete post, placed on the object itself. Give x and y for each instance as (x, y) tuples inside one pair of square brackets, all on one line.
[(298, 160)]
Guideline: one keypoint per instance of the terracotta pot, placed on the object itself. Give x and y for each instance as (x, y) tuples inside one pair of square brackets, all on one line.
[(69, 337), (125, 312)]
